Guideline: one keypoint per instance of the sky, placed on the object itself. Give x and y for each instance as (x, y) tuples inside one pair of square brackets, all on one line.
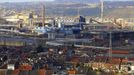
[(44, 0), (22, 0)]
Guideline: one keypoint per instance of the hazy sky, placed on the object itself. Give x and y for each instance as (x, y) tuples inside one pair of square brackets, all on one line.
[(22, 0), (44, 0)]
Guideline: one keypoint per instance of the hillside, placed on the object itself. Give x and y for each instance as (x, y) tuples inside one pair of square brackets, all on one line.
[(114, 8), (120, 12), (76, 1)]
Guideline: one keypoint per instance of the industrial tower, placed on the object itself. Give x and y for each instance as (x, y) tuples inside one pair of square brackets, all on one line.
[(43, 15), (102, 10)]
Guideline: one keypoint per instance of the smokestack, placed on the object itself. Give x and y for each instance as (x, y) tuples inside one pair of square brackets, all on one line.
[(43, 15), (78, 12), (102, 10), (31, 18)]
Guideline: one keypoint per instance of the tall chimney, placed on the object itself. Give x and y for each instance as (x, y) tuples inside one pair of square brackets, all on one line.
[(102, 10), (43, 15)]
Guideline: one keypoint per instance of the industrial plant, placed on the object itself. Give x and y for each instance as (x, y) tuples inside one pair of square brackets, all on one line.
[(35, 41)]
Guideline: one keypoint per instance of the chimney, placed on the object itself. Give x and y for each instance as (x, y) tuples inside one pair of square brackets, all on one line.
[(43, 15), (102, 10)]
